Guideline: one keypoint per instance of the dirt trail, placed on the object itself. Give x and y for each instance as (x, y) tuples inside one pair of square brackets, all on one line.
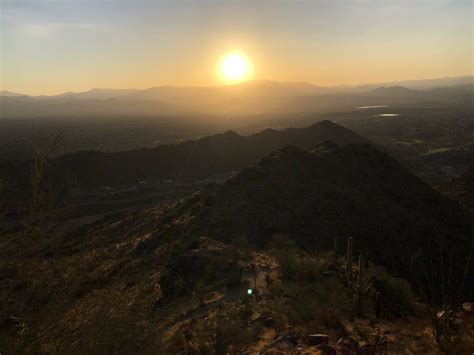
[(263, 265)]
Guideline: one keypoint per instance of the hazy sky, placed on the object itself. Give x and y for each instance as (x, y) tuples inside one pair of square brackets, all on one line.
[(55, 46)]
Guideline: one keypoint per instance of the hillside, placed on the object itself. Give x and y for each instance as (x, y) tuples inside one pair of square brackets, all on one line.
[(321, 196), (461, 189), (174, 278), (197, 159)]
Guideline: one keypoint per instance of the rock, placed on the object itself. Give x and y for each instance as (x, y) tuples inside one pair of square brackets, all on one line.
[(273, 351), (286, 345), (316, 339), (367, 350), (349, 343), (325, 349), (287, 338), (467, 307), (256, 317), (290, 334)]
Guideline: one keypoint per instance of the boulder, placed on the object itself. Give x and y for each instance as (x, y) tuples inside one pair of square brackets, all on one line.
[(317, 339), (289, 337), (256, 317), (467, 307)]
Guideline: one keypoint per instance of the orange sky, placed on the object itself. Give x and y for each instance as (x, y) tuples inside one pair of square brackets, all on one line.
[(57, 46)]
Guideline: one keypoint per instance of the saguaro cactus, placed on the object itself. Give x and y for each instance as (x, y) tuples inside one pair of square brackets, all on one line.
[(349, 260), (359, 272), (378, 304), (360, 288)]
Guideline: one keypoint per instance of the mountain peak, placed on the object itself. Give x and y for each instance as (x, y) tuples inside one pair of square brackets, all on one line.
[(10, 94), (231, 133), (325, 124)]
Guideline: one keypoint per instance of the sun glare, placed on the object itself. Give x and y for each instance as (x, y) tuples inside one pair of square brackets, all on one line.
[(234, 67)]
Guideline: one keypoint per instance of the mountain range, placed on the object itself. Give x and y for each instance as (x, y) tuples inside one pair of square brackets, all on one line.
[(318, 183), (170, 276), (194, 159), (259, 96)]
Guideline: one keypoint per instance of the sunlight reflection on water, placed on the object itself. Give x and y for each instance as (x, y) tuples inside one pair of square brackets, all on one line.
[(387, 115), (374, 106)]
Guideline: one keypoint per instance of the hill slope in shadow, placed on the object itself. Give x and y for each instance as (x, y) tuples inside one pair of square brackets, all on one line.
[(136, 281), (324, 196), (197, 159)]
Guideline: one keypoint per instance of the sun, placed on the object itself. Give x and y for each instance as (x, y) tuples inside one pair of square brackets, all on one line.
[(234, 67)]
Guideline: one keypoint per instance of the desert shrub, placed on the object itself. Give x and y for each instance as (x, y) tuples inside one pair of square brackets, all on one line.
[(245, 308), (113, 327), (297, 268), (307, 301), (330, 292), (198, 272), (175, 344), (397, 294), (105, 324), (228, 334), (301, 307), (329, 319), (281, 242), (241, 243)]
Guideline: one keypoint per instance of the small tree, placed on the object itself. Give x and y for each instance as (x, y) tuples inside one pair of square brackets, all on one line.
[(42, 194)]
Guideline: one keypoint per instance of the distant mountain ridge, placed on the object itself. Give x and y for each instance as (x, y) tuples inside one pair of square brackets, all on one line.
[(259, 98), (304, 88), (95, 94), (253, 97), (197, 159), (10, 94)]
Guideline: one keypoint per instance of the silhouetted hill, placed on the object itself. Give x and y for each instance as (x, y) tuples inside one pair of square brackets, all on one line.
[(326, 195), (220, 153)]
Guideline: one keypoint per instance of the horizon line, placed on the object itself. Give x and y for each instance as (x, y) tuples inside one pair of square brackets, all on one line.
[(342, 85)]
